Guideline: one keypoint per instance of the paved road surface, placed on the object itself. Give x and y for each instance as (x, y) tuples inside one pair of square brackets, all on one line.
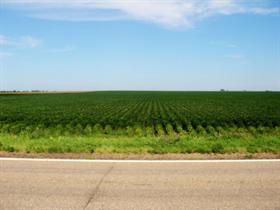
[(154, 186)]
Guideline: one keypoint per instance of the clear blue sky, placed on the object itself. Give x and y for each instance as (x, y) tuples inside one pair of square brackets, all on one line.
[(140, 45)]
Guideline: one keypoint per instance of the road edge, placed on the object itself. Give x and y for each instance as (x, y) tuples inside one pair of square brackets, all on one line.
[(138, 161), (131, 156)]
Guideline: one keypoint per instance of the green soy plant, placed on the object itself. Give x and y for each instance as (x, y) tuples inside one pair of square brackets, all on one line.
[(15, 129), (119, 131), (179, 128), (220, 130), (69, 129), (5, 128), (200, 129), (88, 130), (138, 131), (190, 129), (169, 129), (252, 130), (261, 129), (59, 130), (108, 130), (129, 131), (160, 130), (79, 130), (36, 133), (218, 148), (232, 128), (149, 131), (211, 130), (97, 129)]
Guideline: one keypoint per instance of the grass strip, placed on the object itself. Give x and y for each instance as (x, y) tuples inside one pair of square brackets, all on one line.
[(204, 144)]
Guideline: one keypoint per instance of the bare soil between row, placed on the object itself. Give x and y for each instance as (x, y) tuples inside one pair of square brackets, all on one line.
[(119, 156)]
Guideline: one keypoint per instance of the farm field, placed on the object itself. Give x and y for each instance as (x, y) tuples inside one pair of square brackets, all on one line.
[(141, 121)]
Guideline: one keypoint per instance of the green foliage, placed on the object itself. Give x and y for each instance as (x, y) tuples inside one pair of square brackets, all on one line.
[(55, 149), (160, 130), (218, 148), (97, 129), (150, 131), (9, 149), (211, 130), (190, 129), (16, 128), (37, 132), (88, 130), (222, 143), (138, 131), (79, 130), (176, 112), (129, 131), (169, 129), (108, 129), (201, 130), (252, 130), (179, 128), (220, 130)]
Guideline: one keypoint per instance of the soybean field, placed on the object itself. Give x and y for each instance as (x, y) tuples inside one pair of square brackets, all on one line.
[(147, 111)]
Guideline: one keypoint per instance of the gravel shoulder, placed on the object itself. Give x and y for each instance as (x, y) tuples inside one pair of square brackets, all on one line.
[(119, 156)]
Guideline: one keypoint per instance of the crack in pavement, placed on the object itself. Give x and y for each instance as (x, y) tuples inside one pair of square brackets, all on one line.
[(98, 186)]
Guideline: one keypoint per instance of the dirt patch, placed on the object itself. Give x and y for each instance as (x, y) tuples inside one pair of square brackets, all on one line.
[(194, 156)]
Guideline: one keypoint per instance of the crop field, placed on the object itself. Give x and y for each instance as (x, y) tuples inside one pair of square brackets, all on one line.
[(155, 113), (140, 122)]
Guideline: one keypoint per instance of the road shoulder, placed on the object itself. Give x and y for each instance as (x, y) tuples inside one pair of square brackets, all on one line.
[(121, 156)]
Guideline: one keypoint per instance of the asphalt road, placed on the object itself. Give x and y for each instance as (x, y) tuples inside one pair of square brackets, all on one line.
[(120, 186)]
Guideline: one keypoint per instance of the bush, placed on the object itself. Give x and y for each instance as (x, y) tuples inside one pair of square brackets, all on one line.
[(252, 130), (150, 131), (5, 128), (218, 148), (261, 129), (179, 128), (160, 130), (58, 130), (138, 131), (201, 130), (88, 130), (97, 129), (108, 129), (220, 130), (35, 133), (16, 128), (210, 129), (9, 149), (55, 149), (120, 131), (129, 131), (190, 129), (35, 148), (169, 129), (69, 128), (79, 129), (202, 149)]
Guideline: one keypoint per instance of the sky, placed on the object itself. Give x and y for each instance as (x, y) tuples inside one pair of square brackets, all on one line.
[(140, 45)]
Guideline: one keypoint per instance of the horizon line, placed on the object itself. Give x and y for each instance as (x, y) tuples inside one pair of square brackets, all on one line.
[(130, 90)]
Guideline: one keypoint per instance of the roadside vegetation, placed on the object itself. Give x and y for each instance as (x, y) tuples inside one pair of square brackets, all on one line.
[(141, 122), (231, 140)]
